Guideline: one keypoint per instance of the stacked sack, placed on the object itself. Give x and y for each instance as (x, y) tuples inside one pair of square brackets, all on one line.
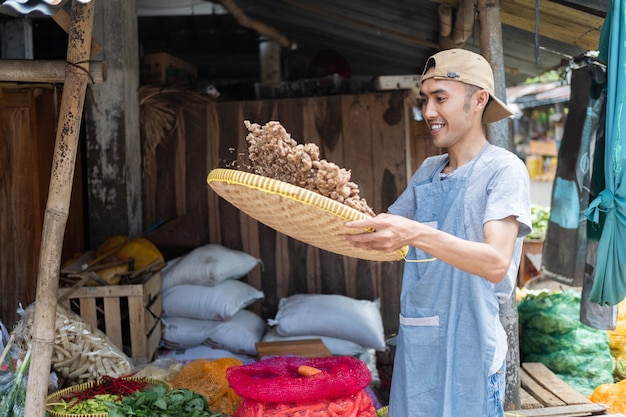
[(204, 301), (347, 326)]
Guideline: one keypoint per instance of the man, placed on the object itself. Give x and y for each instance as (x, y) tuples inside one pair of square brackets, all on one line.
[(464, 216)]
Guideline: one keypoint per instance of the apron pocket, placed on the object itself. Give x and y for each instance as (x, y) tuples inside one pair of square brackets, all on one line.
[(421, 352)]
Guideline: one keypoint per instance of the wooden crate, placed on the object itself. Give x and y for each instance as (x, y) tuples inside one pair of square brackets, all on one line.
[(165, 69), (128, 314)]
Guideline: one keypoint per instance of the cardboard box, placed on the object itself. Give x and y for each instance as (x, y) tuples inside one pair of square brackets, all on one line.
[(165, 69), (130, 315), (537, 147), (397, 82)]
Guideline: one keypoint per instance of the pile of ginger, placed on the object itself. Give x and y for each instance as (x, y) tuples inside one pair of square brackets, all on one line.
[(273, 153)]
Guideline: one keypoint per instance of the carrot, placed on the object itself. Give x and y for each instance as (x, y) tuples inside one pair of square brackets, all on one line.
[(308, 371)]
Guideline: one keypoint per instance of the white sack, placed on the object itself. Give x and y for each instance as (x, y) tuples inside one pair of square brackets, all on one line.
[(207, 265), (331, 315), (219, 302)]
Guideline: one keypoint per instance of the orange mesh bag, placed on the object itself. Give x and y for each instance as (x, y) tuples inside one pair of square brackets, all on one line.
[(282, 386), (613, 396), (209, 379)]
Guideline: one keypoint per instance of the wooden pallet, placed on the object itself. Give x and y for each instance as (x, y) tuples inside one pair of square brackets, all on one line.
[(542, 393)]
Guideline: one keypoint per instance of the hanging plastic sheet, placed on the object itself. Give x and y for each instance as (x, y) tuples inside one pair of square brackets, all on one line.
[(609, 286), (598, 316), (565, 245)]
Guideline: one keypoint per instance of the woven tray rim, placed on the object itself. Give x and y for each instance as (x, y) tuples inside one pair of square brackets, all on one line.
[(269, 186)]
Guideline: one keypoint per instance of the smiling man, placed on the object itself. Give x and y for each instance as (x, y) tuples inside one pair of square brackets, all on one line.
[(464, 215)]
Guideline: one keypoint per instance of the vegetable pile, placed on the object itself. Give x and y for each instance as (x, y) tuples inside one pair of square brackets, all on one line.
[(551, 333), (132, 397), (162, 402), (539, 216), (208, 378), (12, 389), (81, 353), (93, 399), (291, 386)]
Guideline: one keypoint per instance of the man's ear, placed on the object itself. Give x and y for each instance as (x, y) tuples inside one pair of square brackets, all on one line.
[(482, 99)]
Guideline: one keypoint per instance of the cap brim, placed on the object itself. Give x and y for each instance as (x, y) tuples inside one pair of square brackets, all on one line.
[(496, 110)]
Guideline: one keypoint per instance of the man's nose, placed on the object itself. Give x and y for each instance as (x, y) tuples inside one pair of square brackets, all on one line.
[(428, 109)]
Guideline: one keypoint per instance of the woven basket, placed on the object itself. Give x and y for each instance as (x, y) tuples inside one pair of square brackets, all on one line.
[(296, 212), (382, 412), (56, 396)]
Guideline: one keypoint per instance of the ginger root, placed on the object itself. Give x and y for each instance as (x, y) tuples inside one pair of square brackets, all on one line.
[(273, 153)]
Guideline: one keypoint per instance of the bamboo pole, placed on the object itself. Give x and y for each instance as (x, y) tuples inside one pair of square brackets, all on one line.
[(63, 19), (45, 71), (57, 208)]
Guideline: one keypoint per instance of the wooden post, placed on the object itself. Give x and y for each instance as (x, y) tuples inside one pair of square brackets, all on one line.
[(57, 208), (498, 134)]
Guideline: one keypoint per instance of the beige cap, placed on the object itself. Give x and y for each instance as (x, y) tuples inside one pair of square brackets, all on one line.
[(469, 68)]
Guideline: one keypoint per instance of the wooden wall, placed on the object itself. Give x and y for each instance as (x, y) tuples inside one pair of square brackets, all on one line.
[(28, 122), (370, 134)]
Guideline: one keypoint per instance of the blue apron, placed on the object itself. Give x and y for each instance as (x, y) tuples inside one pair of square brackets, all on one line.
[(446, 339)]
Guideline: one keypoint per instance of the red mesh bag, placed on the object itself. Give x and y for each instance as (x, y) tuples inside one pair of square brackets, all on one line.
[(284, 386)]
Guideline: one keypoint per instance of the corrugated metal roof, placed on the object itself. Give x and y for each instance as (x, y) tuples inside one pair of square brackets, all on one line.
[(26, 7), (395, 37), (376, 37)]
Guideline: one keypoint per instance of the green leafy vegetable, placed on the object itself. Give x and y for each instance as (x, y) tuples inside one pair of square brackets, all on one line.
[(13, 393), (539, 216), (161, 402)]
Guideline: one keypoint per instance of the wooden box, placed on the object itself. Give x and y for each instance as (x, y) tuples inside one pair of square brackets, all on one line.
[(130, 315), (308, 348), (165, 69)]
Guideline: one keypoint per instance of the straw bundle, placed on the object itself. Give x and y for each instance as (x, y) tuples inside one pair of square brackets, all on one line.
[(161, 112)]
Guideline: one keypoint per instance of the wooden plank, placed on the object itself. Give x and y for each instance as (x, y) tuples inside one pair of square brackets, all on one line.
[(88, 312), (153, 313), (561, 411), (543, 395), (389, 137), (527, 401), (109, 291), (308, 348), (136, 316), (359, 157), (113, 321), (152, 344), (539, 372)]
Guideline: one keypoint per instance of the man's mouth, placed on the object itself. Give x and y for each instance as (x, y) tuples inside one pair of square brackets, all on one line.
[(436, 127)]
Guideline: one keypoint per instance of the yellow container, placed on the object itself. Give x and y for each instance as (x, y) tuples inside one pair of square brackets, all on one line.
[(534, 164)]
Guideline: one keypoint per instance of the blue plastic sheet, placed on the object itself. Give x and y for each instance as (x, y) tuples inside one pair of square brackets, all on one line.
[(609, 287)]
